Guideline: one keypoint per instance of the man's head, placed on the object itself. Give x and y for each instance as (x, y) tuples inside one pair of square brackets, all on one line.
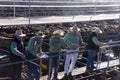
[(40, 35), (97, 31), (74, 29), (19, 34), (58, 33)]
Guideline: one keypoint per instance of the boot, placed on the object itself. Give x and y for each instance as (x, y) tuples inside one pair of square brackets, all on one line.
[(55, 79), (65, 77), (70, 77)]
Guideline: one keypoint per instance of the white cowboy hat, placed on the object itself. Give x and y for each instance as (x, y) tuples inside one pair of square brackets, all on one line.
[(74, 28), (60, 32), (98, 30), (19, 33), (40, 33)]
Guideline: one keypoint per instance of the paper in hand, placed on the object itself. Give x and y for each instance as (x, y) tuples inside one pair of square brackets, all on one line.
[(72, 51), (110, 41), (43, 56)]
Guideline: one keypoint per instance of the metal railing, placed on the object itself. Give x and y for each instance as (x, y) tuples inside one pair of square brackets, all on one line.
[(107, 49), (30, 4), (30, 9)]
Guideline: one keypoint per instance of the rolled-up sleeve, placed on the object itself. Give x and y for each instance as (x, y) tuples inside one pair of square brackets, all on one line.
[(51, 44), (96, 41), (66, 39), (81, 40), (13, 48), (30, 44)]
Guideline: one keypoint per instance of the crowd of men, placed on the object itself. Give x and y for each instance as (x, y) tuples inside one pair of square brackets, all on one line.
[(72, 39)]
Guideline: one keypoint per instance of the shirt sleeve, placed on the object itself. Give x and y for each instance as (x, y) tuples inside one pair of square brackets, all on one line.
[(29, 44), (96, 41), (67, 41), (51, 44), (63, 41), (14, 49), (81, 40), (41, 46)]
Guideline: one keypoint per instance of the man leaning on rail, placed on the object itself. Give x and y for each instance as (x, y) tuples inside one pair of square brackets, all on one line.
[(73, 40), (55, 44), (93, 48), (34, 50), (17, 54)]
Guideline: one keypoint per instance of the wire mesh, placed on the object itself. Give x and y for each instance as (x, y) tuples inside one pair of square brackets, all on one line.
[(100, 63), (38, 8)]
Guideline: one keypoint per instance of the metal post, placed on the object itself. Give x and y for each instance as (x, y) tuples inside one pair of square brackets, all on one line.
[(40, 67), (108, 57), (29, 11), (119, 34), (95, 7), (49, 69), (98, 59), (14, 10), (119, 20), (119, 56)]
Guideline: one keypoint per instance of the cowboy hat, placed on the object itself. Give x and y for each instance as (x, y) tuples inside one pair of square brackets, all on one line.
[(60, 32), (19, 33), (40, 33), (98, 30), (74, 28)]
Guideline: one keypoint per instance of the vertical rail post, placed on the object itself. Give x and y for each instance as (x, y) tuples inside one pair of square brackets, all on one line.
[(119, 34), (40, 67), (14, 9), (98, 59), (29, 12), (109, 51), (95, 7), (49, 69)]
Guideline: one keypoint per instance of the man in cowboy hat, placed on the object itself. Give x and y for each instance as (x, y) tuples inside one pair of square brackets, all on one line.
[(34, 48), (55, 44), (73, 40), (93, 48), (17, 54)]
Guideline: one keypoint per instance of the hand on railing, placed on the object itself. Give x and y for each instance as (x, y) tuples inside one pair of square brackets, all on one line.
[(39, 55), (75, 46), (22, 56), (84, 44), (110, 41), (42, 55)]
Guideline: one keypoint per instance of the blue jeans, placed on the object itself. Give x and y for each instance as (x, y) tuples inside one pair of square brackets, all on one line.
[(33, 71), (90, 61), (16, 71), (53, 63)]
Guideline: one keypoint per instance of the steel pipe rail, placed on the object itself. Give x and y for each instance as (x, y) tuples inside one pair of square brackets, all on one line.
[(61, 6), (61, 1), (2, 65), (101, 72), (35, 1)]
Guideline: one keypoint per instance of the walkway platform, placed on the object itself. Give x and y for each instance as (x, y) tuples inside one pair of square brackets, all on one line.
[(81, 70), (56, 19)]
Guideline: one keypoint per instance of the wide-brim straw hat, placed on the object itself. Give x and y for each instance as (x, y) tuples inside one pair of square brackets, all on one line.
[(40, 33), (74, 28), (60, 32), (19, 33), (97, 30)]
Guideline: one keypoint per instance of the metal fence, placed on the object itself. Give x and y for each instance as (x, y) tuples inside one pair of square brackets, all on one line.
[(106, 58), (30, 8)]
